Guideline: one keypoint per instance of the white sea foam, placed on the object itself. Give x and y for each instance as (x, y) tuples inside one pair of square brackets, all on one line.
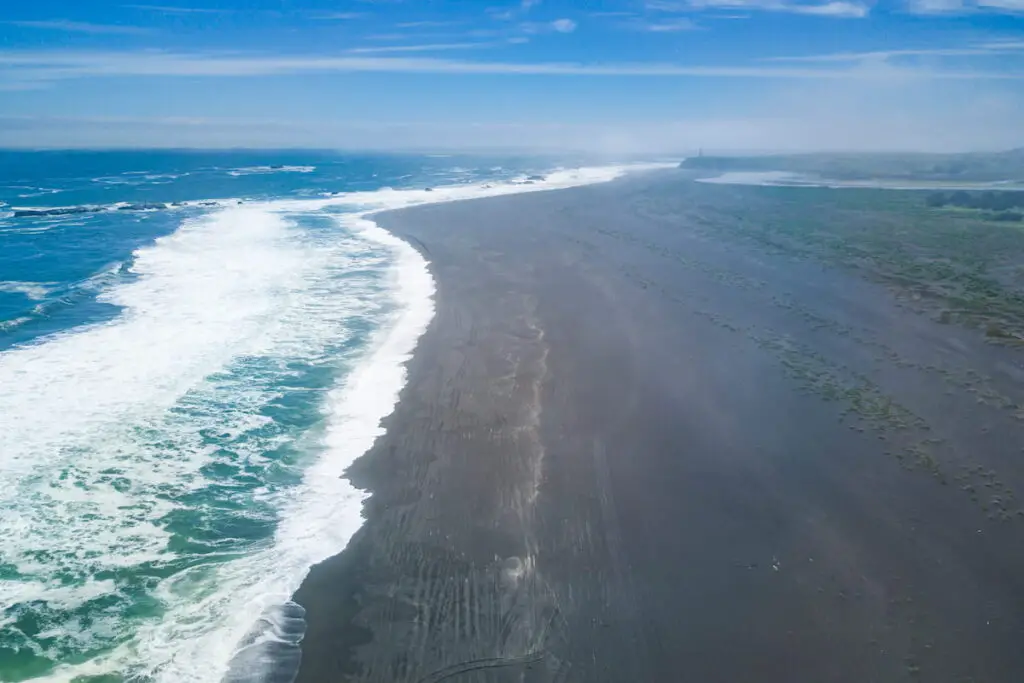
[(102, 433), (204, 296), (38, 192), (37, 291), (92, 455), (322, 514), (7, 325), (263, 170), (117, 180), (390, 198), (66, 213), (164, 176)]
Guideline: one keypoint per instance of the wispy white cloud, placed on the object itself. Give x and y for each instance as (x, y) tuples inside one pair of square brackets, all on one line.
[(669, 25), (501, 14), (429, 47), (980, 50), (845, 9), (1008, 5), (937, 6), (168, 9), (512, 13), (541, 27), (1004, 45), (27, 66), (956, 7), (667, 5), (840, 9), (79, 27), (427, 24), (338, 16)]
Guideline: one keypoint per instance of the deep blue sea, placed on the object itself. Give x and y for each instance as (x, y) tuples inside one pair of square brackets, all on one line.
[(193, 348)]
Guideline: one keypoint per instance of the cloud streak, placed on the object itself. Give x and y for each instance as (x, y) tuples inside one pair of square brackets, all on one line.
[(669, 25), (961, 7), (48, 66), (338, 16), (981, 50), (667, 5), (427, 24), (167, 9), (430, 47), (840, 9), (79, 27), (556, 26)]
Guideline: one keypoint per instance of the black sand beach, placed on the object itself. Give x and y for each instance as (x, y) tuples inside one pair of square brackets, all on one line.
[(633, 448)]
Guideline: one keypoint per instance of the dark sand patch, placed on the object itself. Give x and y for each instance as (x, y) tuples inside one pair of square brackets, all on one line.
[(632, 450)]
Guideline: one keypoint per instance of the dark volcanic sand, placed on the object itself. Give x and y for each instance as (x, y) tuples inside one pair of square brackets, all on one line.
[(629, 451)]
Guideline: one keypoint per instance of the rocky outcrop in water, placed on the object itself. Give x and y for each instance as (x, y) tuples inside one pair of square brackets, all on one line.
[(138, 206), (57, 211), (144, 206)]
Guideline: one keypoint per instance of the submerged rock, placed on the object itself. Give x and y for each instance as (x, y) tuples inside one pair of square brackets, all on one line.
[(143, 206), (71, 210), (57, 211)]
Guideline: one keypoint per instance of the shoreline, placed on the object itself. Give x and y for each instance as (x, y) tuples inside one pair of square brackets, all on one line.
[(602, 468), (337, 436)]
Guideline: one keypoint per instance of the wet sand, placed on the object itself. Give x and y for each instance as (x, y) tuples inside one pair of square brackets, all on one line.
[(631, 451)]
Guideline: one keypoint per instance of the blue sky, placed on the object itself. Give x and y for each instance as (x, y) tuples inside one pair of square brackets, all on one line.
[(614, 76)]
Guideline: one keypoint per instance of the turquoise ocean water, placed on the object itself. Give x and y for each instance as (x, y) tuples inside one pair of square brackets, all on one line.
[(193, 347)]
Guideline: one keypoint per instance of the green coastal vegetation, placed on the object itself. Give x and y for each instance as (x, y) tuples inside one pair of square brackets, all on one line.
[(980, 167), (955, 264), (957, 255), (997, 206)]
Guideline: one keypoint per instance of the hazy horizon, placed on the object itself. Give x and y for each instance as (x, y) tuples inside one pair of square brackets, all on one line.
[(636, 77), (678, 155)]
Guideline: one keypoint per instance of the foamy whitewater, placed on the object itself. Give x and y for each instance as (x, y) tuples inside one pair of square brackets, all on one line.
[(175, 426)]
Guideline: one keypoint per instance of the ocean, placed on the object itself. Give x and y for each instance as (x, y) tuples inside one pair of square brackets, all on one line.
[(194, 346)]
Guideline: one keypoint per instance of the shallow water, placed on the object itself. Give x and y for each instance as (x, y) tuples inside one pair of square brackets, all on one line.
[(789, 179)]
